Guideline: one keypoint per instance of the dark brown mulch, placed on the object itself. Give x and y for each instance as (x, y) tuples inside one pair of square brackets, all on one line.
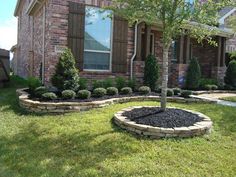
[(169, 119)]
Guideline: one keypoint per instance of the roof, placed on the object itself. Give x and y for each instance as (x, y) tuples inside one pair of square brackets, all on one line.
[(224, 11)]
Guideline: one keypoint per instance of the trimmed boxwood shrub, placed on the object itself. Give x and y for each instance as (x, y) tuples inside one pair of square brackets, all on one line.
[(97, 84), (99, 92), (151, 72), (120, 83), (186, 93), (84, 94), (132, 83), (193, 75), (176, 91), (230, 76), (39, 91), (108, 83), (126, 91), (206, 81), (49, 96), (170, 92), (112, 91), (68, 94), (83, 83), (66, 75), (211, 87), (144, 90)]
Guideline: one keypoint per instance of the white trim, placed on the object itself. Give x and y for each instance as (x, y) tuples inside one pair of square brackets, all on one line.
[(222, 19), (96, 51)]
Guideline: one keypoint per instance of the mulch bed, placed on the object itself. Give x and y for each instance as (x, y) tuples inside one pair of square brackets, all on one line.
[(155, 117)]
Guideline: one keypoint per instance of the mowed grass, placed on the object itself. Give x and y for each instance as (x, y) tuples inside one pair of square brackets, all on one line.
[(233, 98), (89, 144)]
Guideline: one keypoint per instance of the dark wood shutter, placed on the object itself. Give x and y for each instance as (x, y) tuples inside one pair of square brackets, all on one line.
[(76, 25), (120, 41)]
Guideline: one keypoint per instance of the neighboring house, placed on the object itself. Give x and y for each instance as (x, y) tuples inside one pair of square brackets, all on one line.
[(4, 66), (225, 14), (103, 47)]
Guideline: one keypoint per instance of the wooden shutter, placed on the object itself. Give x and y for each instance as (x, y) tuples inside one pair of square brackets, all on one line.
[(120, 41), (76, 25)]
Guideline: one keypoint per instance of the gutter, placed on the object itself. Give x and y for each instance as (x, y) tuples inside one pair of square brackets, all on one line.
[(43, 59), (135, 49)]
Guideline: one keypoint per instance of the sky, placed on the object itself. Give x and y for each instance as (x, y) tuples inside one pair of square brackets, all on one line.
[(8, 24)]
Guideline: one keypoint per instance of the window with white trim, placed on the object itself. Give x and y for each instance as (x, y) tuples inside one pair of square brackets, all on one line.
[(98, 39), (174, 51)]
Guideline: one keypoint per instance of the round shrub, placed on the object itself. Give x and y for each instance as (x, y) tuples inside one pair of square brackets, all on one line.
[(186, 93), (208, 87), (176, 91), (49, 96), (33, 83), (170, 92), (144, 90), (84, 94), (126, 91), (158, 90), (214, 87), (99, 92), (68, 94), (39, 91), (112, 91)]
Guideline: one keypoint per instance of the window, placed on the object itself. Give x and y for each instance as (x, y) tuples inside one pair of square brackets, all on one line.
[(143, 46), (97, 43), (174, 51)]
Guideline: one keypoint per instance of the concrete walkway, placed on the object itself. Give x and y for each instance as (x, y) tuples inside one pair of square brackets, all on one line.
[(216, 97)]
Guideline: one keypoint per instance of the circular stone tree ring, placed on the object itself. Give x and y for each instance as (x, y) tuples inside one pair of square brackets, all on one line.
[(203, 124)]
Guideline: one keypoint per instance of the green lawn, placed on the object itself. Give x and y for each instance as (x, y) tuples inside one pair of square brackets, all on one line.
[(233, 99), (88, 144)]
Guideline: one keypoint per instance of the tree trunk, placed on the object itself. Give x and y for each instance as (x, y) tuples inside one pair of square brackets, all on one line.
[(164, 84)]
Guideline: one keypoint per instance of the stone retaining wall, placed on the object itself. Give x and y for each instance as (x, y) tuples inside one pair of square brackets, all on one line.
[(213, 91), (65, 107), (199, 128)]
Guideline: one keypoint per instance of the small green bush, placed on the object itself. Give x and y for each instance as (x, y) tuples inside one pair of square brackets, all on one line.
[(33, 83), (112, 91), (39, 91), (97, 84), (132, 83), (206, 81), (170, 92), (144, 90), (176, 91), (186, 93), (83, 84), (120, 83), (211, 87), (99, 92), (151, 72), (84, 94), (126, 91), (158, 90), (214, 87), (230, 76), (66, 75), (193, 75), (68, 94), (108, 83), (49, 96)]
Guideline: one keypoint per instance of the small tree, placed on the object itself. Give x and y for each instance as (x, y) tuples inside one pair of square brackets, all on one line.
[(193, 75), (176, 17), (66, 75), (230, 76), (151, 72)]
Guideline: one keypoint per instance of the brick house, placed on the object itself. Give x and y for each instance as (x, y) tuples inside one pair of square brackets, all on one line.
[(225, 14), (103, 47)]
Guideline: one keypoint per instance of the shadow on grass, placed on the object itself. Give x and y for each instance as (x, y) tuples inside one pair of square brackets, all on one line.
[(32, 152)]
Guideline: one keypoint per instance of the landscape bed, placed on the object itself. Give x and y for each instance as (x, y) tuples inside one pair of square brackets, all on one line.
[(154, 123), (67, 106)]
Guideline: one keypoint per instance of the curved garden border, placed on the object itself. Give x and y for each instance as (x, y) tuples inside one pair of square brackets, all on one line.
[(65, 107), (199, 128)]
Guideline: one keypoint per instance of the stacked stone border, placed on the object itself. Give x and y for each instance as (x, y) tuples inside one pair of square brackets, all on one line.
[(213, 91), (65, 107), (198, 129)]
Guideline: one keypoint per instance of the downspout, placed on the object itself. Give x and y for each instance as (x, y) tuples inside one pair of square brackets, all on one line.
[(43, 50), (135, 49)]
